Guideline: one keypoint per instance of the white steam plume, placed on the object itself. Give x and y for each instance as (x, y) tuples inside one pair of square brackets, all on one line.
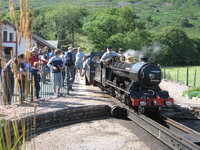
[(148, 51)]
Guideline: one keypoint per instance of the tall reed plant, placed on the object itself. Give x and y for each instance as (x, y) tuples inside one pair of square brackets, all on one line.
[(14, 132)]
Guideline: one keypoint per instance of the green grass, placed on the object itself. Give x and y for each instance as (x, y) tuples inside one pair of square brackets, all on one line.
[(179, 74)]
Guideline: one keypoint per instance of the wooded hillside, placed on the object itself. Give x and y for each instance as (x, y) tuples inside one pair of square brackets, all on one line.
[(167, 31), (155, 13)]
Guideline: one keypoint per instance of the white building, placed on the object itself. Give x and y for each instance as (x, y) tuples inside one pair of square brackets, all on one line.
[(10, 40)]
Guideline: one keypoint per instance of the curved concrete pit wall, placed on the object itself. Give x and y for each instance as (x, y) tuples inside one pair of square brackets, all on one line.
[(47, 119)]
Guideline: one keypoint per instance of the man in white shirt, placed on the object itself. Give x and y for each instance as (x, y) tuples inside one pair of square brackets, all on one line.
[(80, 58), (108, 54)]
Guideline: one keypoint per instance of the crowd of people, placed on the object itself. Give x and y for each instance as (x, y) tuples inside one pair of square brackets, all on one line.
[(38, 68)]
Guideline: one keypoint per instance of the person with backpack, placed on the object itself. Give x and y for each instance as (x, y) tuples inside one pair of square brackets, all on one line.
[(70, 64)]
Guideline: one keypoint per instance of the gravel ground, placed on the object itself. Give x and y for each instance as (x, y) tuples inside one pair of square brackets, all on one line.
[(175, 91), (106, 134)]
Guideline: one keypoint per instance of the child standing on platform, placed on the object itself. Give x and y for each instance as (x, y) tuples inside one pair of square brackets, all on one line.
[(36, 72)]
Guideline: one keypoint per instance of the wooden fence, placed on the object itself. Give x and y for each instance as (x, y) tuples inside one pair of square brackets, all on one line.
[(189, 77)]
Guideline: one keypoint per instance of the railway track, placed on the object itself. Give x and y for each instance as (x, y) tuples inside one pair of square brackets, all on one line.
[(172, 133)]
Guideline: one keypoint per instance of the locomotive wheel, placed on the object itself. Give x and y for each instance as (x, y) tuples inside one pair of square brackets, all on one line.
[(157, 110), (101, 87), (123, 98), (128, 100), (116, 94), (140, 110), (86, 81), (118, 112), (112, 91), (95, 83)]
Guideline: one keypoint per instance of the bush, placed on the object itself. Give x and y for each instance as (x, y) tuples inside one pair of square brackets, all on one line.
[(193, 92), (184, 22), (148, 18)]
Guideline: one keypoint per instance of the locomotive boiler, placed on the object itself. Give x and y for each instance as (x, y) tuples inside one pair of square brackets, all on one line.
[(134, 83), (146, 74)]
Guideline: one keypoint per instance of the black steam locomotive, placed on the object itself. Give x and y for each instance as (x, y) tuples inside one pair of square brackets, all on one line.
[(134, 83)]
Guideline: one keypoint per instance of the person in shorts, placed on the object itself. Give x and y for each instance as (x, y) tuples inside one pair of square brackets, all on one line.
[(80, 58), (56, 63)]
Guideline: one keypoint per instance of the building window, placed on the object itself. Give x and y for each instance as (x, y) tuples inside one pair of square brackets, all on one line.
[(5, 36), (7, 50), (11, 37)]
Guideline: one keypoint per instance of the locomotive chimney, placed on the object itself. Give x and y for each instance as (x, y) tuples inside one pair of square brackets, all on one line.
[(144, 59)]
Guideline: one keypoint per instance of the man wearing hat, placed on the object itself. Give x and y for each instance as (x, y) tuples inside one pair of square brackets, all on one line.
[(71, 68), (121, 52), (108, 54), (34, 54)]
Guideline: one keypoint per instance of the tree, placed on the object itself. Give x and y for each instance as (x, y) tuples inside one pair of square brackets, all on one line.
[(148, 18), (126, 19), (192, 17), (6, 16), (100, 29), (177, 47), (117, 41), (195, 57), (137, 39), (59, 24), (109, 27), (198, 28), (184, 22), (197, 2)]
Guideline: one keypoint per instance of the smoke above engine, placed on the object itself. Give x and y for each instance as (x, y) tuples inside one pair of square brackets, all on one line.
[(148, 51)]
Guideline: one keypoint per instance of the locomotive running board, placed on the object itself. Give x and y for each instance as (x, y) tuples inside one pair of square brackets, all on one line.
[(175, 139), (113, 85)]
